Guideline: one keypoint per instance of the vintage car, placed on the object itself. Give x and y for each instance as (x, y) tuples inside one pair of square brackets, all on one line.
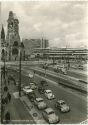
[(49, 94), (39, 102), (32, 85), (50, 116), (62, 106)]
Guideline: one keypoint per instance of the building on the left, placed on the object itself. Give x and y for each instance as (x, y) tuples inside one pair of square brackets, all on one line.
[(11, 45)]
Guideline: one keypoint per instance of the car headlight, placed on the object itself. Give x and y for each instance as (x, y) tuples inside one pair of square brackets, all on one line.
[(62, 109), (50, 120)]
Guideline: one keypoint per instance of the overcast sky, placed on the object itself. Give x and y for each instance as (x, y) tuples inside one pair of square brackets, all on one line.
[(63, 23)]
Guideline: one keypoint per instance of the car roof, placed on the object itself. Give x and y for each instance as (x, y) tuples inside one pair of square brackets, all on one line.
[(39, 99), (48, 110), (32, 83), (60, 101), (29, 90), (27, 87), (48, 90)]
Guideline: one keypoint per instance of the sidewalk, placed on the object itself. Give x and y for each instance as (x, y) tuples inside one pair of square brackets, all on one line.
[(38, 118), (17, 110)]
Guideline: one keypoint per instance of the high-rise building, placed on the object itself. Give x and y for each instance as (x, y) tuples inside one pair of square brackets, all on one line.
[(44, 43), (31, 44)]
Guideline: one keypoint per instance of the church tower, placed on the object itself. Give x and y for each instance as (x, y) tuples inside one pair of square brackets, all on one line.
[(3, 45), (2, 37), (13, 38)]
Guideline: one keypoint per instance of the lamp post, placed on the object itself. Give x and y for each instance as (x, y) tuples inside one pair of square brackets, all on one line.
[(45, 70), (4, 65), (20, 72)]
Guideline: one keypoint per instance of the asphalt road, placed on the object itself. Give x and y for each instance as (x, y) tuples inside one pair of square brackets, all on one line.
[(67, 80), (77, 104), (74, 73)]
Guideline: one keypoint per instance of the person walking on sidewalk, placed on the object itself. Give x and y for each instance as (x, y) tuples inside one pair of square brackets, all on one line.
[(2, 112), (9, 96), (7, 117), (5, 89)]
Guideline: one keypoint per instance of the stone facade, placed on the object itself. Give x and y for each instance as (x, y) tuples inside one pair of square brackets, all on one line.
[(3, 45), (13, 38)]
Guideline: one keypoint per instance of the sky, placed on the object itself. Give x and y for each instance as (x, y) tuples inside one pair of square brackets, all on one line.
[(64, 24)]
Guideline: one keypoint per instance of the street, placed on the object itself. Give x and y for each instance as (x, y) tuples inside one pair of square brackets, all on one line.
[(77, 104)]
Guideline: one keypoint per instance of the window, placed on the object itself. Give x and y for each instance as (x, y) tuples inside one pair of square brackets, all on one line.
[(15, 43)]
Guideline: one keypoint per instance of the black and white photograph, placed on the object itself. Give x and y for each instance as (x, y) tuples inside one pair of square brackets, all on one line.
[(44, 58)]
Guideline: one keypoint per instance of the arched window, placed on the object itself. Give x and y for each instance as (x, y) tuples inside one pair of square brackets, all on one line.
[(3, 51), (15, 51), (15, 43), (22, 45)]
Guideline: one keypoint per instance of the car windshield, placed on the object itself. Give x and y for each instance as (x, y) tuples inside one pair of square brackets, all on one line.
[(62, 103), (52, 112), (31, 83), (49, 92), (28, 88), (32, 94), (41, 100)]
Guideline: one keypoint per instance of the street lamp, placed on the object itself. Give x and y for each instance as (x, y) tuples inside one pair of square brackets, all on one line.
[(20, 54), (3, 54)]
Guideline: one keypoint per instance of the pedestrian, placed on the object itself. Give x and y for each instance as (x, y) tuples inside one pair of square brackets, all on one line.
[(9, 96), (3, 101), (7, 117), (6, 100), (5, 88), (8, 81)]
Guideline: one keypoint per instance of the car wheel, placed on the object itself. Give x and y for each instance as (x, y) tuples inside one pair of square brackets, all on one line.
[(37, 107), (60, 110)]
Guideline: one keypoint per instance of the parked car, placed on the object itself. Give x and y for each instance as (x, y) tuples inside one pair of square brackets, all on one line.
[(32, 85), (49, 94), (41, 90), (62, 106), (39, 102), (27, 89), (43, 83), (50, 116), (31, 96)]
